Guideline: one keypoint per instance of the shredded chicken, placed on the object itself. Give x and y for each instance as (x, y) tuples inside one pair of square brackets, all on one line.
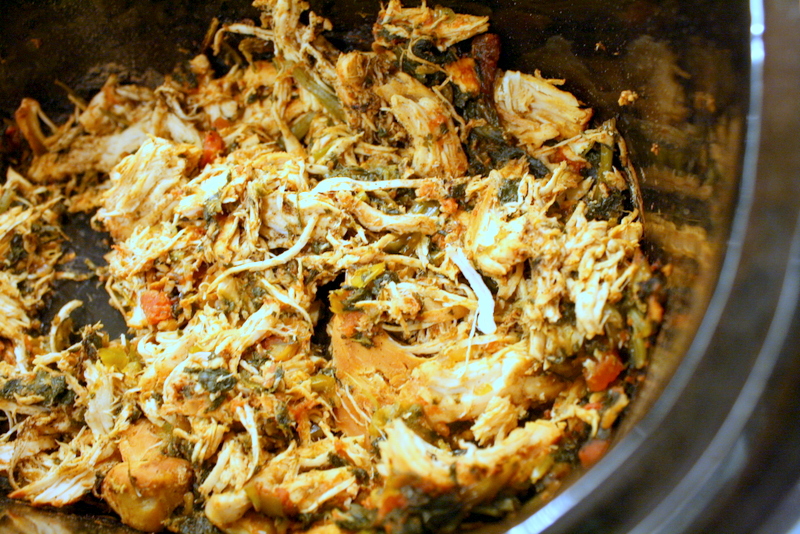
[(535, 110), (341, 316), (435, 146)]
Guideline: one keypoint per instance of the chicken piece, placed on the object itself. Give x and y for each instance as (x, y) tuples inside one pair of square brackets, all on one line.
[(102, 401), (464, 75), (141, 442), (534, 110), (22, 448), (118, 126), (262, 76), (29, 259), (208, 435), (355, 74), (412, 467), (454, 388), (436, 146), (142, 186), (89, 154), (68, 473), (308, 492), (384, 355), (497, 239), (233, 467), (145, 494), (327, 145), (289, 37), (373, 373), (445, 27), (223, 509), (303, 480), (498, 245), (378, 221), (416, 301), (62, 484), (500, 418), (599, 256), (500, 236), (250, 523), (115, 106), (13, 315), (147, 486), (27, 118)]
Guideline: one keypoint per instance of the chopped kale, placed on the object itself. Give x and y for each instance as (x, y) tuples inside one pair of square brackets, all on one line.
[(276, 380), (217, 380), (14, 386), (386, 172), (16, 251), (459, 192), (283, 417), (51, 387), (508, 190), (537, 168), (336, 461), (426, 513), (487, 149), (92, 341), (498, 508), (425, 48), (362, 477), (610, 207), (184, 75)]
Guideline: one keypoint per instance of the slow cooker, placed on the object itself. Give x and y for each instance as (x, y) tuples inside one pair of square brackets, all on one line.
[(712, 441)]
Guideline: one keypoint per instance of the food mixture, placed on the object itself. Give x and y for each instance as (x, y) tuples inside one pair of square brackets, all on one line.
[(393, 290)]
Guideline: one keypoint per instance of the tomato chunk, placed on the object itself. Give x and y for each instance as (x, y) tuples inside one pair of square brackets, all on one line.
[(605, 371), (221, 122), (213, 145), (591, 453), (156, 305)]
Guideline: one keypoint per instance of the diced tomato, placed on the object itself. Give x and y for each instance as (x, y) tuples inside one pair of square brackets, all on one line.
[(392, 500), (592, 452), (221, 122), (11, 140), (605, 371), (156, 305), (213, 145), (449, 206), (110, 93), (560, 155), (350, 321), (288, 505)]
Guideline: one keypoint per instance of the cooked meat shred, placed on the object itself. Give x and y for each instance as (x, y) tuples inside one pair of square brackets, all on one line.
[(335, 324)]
